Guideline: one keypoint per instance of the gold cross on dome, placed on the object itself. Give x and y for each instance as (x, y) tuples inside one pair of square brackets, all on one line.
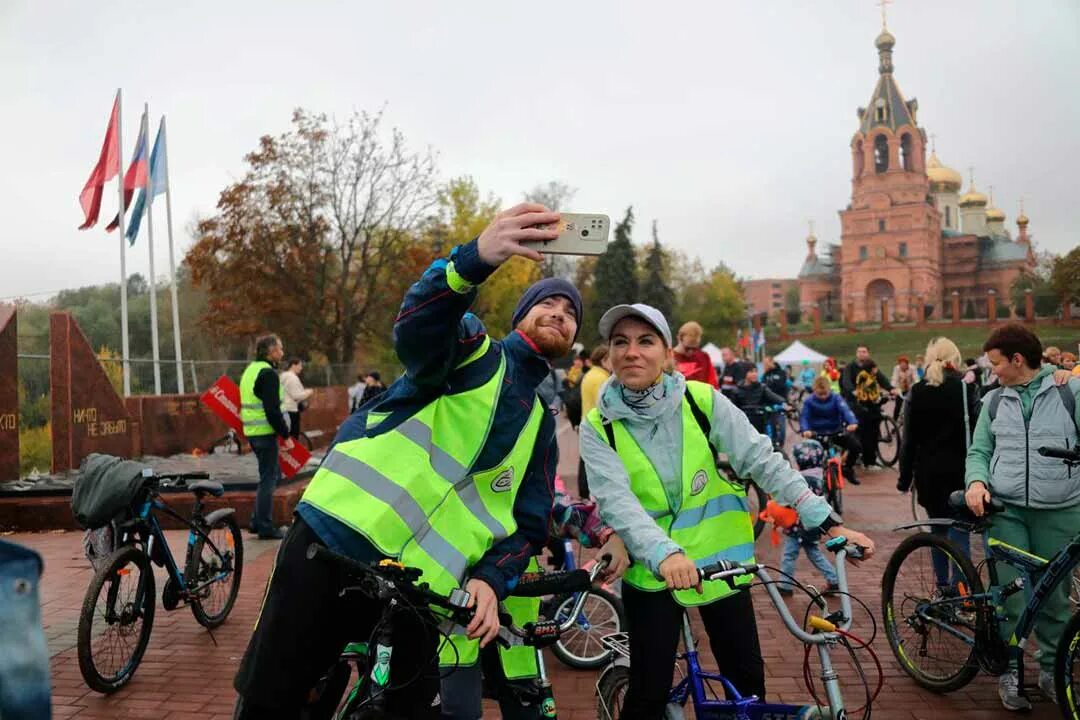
[(933, 143), (971, 175), (810, 224), (884, 4), (991, 189)]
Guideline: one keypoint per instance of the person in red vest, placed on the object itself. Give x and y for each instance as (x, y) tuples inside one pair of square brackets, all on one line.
[(693, 362)]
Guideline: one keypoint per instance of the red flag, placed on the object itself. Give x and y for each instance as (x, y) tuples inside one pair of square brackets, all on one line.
[(108, 166)]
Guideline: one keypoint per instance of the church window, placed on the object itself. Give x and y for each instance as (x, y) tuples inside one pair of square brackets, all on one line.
[(948, 216), (881, 154), (862, 252), (905, 151), (881, 110), (903, 249), (881, 225)]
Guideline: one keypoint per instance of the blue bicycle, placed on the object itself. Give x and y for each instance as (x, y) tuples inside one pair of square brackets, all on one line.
[(696, 686), (581, 646)]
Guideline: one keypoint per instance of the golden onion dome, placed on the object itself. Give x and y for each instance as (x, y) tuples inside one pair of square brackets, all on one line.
[(885, 41), (994, 214), (942, 178), (1022, 220), (973, 198)]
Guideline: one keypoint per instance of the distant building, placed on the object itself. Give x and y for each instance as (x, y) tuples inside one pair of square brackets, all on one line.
[(907, 235), (767, 295)]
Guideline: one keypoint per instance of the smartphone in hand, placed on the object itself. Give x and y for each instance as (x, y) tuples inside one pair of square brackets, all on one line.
[(579, 234)]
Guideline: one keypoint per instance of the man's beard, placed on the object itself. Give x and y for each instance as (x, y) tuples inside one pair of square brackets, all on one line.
[(552, 345)]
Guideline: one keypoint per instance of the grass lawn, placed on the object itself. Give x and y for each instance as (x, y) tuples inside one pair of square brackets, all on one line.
[(886, 345)]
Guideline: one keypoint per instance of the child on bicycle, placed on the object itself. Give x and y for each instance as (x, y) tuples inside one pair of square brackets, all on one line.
[(810, 459), (825, 413)]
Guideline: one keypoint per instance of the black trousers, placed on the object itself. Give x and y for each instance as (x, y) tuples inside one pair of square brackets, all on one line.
[(294, 424), (304, 625), (655, 622), (850, 443), (869, 431), (582, 481)]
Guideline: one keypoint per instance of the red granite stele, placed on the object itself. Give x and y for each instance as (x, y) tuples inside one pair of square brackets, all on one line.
[(9, 395), (88, 415)]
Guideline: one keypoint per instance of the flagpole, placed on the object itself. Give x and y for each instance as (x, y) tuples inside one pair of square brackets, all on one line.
[(172, 260), (124, 348), (148, 189)]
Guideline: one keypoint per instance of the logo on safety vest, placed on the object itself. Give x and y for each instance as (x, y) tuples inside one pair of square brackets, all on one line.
[(503, 482), (701, 479)]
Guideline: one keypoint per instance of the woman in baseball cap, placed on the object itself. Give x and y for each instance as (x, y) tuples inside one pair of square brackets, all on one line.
[(649, 450)]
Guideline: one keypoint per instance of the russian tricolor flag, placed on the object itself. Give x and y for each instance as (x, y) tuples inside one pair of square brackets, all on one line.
[(136, 173), (158, 183)]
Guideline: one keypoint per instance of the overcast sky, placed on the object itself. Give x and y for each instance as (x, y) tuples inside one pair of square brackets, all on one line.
[(728, 122)]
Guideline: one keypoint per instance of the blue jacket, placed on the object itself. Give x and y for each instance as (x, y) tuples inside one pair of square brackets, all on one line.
[(825, 416), (24, 656), (433, 334)]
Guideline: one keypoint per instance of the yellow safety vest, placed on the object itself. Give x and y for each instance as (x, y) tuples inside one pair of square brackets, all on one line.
[(412, 493), (711, 521), (252, 413)]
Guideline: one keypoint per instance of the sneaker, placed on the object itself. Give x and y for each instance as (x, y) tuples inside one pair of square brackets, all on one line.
[(1046, 685), (832, 587), (786, 592), (854, 480), (1009, 692), (272, 534)]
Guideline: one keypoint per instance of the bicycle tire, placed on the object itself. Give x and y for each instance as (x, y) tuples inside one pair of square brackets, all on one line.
[(793, 419), (580, 661), (834, 494), (1067, 670), (89, 666), (611, 691), (888, 448), (201, 569), (968, 668)]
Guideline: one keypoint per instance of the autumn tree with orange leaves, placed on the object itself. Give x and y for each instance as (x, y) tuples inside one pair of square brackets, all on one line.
[(320, 238)]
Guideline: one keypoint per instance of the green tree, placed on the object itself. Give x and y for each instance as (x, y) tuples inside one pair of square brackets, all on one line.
[(791, 305), (615, 279), (1045, 297), (1065, 276), (717, 303), (655, 289)]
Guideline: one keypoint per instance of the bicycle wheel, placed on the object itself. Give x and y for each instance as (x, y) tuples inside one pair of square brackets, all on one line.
[(756, 498), (1067, 670), (931, 628), (888, 442), (1074, 589), (611, 692), (580, 646), (215, 574), (116, 618)]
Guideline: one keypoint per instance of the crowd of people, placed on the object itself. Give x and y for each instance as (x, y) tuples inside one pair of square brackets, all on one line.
[(453, 469)]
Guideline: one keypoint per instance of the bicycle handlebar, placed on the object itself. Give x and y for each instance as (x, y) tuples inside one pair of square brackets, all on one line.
[(392, 578), (1069, 455)]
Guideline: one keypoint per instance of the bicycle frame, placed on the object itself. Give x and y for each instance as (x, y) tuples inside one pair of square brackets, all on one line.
[(1040, 577)]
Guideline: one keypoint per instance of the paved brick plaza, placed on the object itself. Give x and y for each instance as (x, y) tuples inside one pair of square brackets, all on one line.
[(185, 675)]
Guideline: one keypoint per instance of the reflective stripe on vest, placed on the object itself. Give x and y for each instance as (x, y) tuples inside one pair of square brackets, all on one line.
[(712, 521), (518, 661), (252, 412), (410, 492)]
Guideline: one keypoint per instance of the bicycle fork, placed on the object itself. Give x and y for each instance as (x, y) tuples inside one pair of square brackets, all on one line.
[(831, 681), (547, 696)]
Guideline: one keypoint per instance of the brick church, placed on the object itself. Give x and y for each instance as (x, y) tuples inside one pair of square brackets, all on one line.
[(909, 235)]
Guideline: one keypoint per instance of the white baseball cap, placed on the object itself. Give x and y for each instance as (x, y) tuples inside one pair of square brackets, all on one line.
[(648, 313)]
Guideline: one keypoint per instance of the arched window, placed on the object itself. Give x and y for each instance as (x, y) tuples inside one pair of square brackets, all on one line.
[(860, 158), (948, 217), (881, 154), (905, 151)]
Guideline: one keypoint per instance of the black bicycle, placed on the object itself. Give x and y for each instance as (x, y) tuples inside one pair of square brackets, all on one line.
[(943, 633), (397, 586), (888, 449), (118, 610)]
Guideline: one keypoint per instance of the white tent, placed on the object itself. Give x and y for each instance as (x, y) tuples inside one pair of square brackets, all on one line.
[(796, 352), (714, 354)]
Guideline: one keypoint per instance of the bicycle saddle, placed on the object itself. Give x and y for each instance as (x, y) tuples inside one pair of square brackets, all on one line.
[(207, 486)]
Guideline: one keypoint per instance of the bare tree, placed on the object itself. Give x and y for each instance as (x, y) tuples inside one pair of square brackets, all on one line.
[(555, 195)]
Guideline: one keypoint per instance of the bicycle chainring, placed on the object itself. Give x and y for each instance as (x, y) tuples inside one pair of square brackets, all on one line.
[(170, 595)]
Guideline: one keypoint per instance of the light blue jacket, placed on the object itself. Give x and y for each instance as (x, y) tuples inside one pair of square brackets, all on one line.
[(658, 431), (24, 656)]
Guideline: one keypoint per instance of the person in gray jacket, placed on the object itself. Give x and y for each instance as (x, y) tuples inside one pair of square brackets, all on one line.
[(649, 450), (1041, 495)]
